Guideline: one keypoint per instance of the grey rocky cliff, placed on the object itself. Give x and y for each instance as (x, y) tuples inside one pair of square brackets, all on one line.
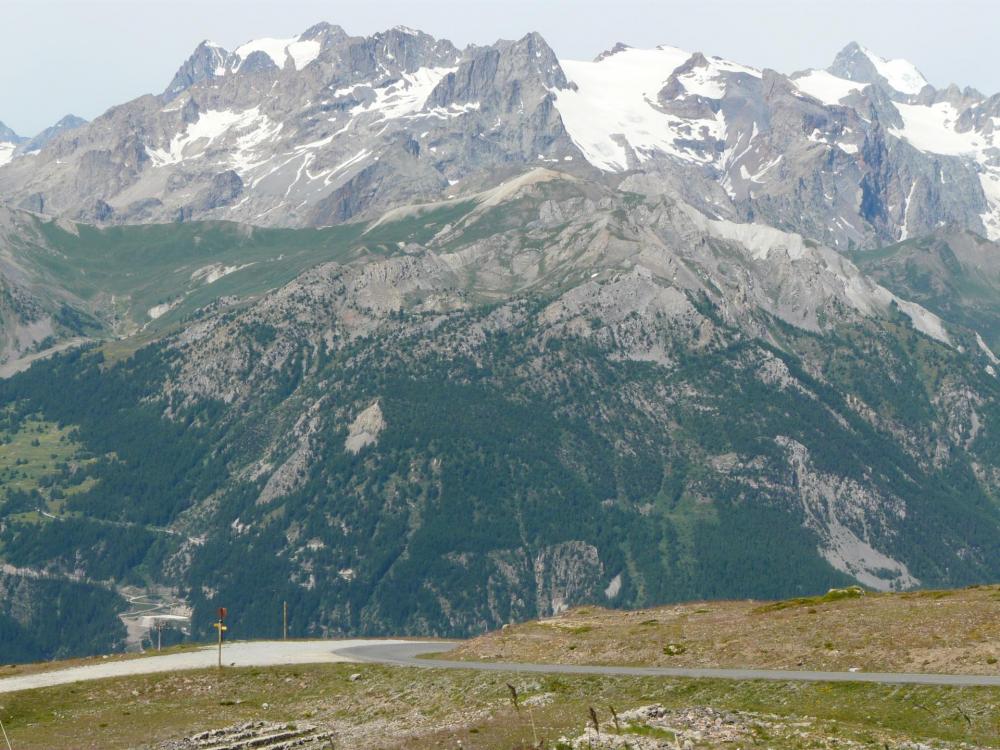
[(207, 62), (8, 135), (763, 376), (43, 139), (327, 127)]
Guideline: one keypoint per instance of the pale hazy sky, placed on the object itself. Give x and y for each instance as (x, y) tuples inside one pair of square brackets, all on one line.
[(82, 56)]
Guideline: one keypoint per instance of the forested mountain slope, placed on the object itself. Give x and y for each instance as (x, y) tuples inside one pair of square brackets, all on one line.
[(476, 411)]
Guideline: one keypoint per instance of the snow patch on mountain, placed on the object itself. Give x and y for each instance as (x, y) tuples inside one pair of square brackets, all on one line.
[(6, 152), (826, 87), (707, 80), (302, 51), (990, 182), (252, 128), (276, 49), (932, 129), (613, 110), (902, 75), (405, 97)]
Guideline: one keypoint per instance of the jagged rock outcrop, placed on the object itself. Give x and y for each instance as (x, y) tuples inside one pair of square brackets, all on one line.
[(326, 127)]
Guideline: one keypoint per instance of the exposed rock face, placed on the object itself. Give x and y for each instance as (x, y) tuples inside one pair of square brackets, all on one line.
[(556, 391), (207, 62), (365, 429), (258, 734), (325, 127), (43, 139), (848, 517), (583, 331), (8, 135)]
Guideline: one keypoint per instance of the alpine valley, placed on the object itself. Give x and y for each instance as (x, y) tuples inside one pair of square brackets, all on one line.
[(424, 340)]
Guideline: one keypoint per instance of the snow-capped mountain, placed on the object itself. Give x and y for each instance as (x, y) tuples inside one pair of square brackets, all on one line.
[(600, 331), (324, 127), (859, 64)]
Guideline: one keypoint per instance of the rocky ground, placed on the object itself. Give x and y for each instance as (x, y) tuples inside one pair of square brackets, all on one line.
[(260, 735), (923, 631), (653, 727), (368, 707)]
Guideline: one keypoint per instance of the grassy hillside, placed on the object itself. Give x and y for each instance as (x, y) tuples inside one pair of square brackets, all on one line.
[(420, 709), (955, 274), (534, 452), (139, 281), (555, 423), (953, 631)]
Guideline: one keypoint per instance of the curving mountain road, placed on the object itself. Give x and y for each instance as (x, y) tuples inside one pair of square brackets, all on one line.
[(402, 653), (406, 654)]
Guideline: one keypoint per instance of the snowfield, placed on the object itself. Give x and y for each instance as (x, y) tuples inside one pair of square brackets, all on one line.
[(6, 152), (902, 75), (614, 107), (827, 87)]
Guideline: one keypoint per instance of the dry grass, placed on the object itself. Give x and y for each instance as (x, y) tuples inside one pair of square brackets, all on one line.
[(421, 709), (926, 631)]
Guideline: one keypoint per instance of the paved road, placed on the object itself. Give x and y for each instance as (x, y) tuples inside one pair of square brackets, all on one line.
[(239, 653), (406, 653)]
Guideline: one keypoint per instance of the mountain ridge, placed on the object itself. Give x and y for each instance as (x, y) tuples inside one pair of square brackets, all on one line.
[(424, 340), (556, 392), (894, 163)]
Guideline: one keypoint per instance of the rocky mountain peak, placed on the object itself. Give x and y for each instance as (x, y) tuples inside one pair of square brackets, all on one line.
[(858, 63), (510, 75), (409, 50), (206, 62), (619, 47), (325, 126), (40, 141), (324, 31), (7, 135)]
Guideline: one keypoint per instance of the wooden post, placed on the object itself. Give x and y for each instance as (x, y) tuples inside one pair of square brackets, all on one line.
[(221, 625)]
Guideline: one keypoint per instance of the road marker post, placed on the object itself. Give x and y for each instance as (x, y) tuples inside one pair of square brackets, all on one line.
[(284, 621), (221, 627)]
